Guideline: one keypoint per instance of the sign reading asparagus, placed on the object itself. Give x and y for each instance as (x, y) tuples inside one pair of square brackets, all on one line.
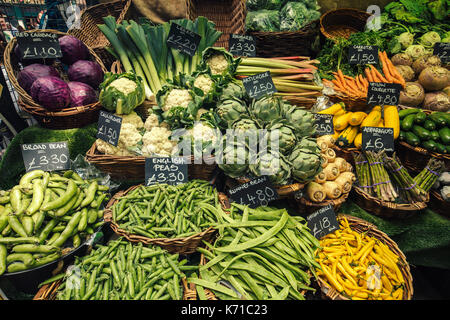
[(255, 193), (381, 93), (109, 127), (183, 39), (242, 45), (323, 124), (259, 85), (376, 139), (322, 222), (442, 50), (35, 45), (166, 170), (49, 156), (363, 55)]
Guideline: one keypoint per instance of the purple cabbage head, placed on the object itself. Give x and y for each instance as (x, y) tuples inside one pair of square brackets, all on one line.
[(72, 49), (29, 74), (86, 71), (51, 92), (81, 94)]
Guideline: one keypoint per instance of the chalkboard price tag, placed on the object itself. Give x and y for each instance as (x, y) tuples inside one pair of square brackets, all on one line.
[(166, 170), (49, 156), (38, 45), (363, 55), (376, 139), (108, 128), (322, 222), (323, 124), (242, 45), (255, 193), (442, 50), (381, 94), (259, 85), (183, 39)]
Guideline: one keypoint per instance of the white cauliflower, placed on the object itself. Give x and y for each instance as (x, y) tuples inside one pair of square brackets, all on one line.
[(106, 148), (217, 63), (129, 135), (124, 85), (203, 132), (151, 122), (156, 142), (204, 83), (133, 119), (177, 97)]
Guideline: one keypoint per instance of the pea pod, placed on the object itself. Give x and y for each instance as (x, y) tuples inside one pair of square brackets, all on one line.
[(34, 248), (17, 240), (30, 176), (28, 224), (90, 194), (68, 206), (38, 197), (25, 258), (16, 267), (73, 223), (83, 220), (46, 259), (15, 199), (63, 199), (47, 229), (17, 226), (4, 218), (3, 254)]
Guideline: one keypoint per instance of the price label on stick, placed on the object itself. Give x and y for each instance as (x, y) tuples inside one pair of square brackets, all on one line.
[(255, 193), (376, 139), (363, 55), (380, 94), (183, 39), (166, 170), (108, 128), (49, 156), (242, 45), (322, 222), (259, 85), (442, 50), (323, 124), (38, 45)]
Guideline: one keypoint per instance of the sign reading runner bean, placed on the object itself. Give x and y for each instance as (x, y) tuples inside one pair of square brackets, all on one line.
[(255, 193)]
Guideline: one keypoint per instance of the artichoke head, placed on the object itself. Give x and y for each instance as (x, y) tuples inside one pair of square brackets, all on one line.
[(301, 119), (286, 136), (230, 110), (233, 159), (305, 164), (274, 165), (266, 109)]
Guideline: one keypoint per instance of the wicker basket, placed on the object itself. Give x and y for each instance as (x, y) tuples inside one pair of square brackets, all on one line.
[(74, 117), (343, 22), (386, 209), (438, 204), (346, 153), (186, 245), (228, 15), (48, 291), (91, 35), (351, 103), (306, 206), (362, 226), (416, 158), (287, 43)]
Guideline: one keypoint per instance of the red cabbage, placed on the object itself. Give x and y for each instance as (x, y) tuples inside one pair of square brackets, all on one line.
[(81, 94), (51, 92), (72, 49), (86, 71), (29, 74)]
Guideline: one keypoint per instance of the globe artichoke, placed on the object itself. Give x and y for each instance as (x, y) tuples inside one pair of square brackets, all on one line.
[(266, 109), (273, 165), (233, 159), (305, 164), (310, 144), (231, 109), (286, 137), (233, 90), (301, 119)]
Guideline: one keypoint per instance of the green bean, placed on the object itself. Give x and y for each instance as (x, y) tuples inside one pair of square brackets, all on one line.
[(17, 226), (3, 261), (63, 199)]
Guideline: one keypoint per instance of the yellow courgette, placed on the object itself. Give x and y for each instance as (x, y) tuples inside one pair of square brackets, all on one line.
[(357, 118), (391, 119), (341, 122), (373, 118), (333, 109), (347, 136), (358, 140)]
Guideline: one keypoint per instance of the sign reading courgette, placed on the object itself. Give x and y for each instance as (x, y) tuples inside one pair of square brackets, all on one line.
[(381, 93)]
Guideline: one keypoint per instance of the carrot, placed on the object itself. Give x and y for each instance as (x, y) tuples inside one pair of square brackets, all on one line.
[(341, 75), (368, 75), (386, 72), (379, 75), (337, 84)]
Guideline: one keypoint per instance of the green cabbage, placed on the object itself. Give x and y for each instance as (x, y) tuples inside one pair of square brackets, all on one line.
[(116, 94), (263, 20), (265, 4), (295, 15)]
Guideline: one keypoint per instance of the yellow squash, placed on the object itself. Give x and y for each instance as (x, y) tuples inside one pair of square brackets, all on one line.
[(335, 108), (391, 119), (347, 136), (373, 118), (341, 122), (357, 118), (358, 140)]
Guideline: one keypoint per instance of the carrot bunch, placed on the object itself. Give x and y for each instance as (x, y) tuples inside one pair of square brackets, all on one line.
[(357, 87)]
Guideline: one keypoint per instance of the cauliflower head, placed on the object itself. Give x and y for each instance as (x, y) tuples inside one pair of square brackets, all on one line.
[(133, 119), (157, 142), (177, 97), (124, 85), (151, 122), (204, 83), (106, 148), (129, 135), (217, 63), (203, 132)]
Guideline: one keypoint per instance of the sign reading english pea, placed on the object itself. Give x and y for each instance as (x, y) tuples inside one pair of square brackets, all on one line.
[(166, 170), (49, 156), (38, 45), (259, 85), (322, 222)]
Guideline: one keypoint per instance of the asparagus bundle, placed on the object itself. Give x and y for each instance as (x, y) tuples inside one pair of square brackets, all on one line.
[(363, 173), (428, 176), (409, 189)]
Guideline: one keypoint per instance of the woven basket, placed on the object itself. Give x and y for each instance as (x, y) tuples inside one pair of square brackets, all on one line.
[(286, 43), (343, 22), (91, 35), (48, 291), (306, 206), (386, 209), (346, 153), (438, 204), (351, 104), (186, 245), (75, 117), (362, 226), (228, 15)]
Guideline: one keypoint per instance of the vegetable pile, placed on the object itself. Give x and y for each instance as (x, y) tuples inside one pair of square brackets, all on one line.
[(123, 271), (359, 266), (336, 177), (164, 211), (263, 253), (46, 216), (49, 88), (429, 131)]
